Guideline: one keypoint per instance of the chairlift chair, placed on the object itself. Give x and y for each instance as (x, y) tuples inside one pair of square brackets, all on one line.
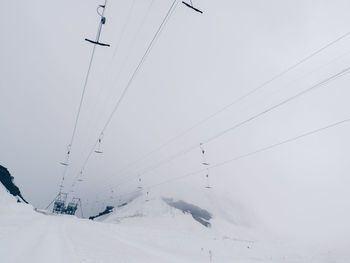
[(208, 184), (204, 161), (102, 22), (97, 43), (192, 7), (139, 187), (98, 150), (80, 179), (65, 162)]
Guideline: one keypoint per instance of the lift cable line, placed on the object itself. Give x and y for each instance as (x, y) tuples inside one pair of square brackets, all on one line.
[(305, 75), (123, 29), (132, 43), (236, 101), (122, 65), (93, 122), (246, 155), (212, 138), (137, 69), (318, 85), (96, 42), (139, 65), (263, 149)]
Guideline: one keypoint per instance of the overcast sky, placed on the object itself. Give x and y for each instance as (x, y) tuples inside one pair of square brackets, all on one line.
[(199, 64)]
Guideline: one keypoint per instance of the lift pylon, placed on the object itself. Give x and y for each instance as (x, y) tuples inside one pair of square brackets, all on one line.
[(59, 203)]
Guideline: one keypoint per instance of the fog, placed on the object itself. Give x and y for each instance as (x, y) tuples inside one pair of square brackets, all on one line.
[(199, 64)]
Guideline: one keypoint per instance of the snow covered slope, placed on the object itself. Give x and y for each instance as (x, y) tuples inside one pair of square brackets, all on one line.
[(141, 231), (225, 218)]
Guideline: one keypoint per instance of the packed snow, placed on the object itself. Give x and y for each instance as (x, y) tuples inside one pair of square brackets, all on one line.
[(142, 231)]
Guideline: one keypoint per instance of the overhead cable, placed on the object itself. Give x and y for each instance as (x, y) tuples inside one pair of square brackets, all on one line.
[(235, 101)]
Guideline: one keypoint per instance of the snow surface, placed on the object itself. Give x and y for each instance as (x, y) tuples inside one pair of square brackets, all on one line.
[(142, 231)]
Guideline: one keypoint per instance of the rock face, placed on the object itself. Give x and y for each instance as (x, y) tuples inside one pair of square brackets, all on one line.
[(7, 180), (198, 214), (108, 210)]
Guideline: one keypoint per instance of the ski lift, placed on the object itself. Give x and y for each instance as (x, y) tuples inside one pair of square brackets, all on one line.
[(204, 162), (65, 162), (102, 22), (208, 184), (192, 7), (139, 187), (80, 179), (98, 150)]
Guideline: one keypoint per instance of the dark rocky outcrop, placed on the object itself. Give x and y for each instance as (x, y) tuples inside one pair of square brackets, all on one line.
[(7, 180), (105, 212), (200, 215)]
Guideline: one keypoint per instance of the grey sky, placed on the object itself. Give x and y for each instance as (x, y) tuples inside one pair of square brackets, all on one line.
[(199, 64)]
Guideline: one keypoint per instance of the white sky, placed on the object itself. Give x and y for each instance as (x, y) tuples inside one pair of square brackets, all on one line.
[(199, 64)]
